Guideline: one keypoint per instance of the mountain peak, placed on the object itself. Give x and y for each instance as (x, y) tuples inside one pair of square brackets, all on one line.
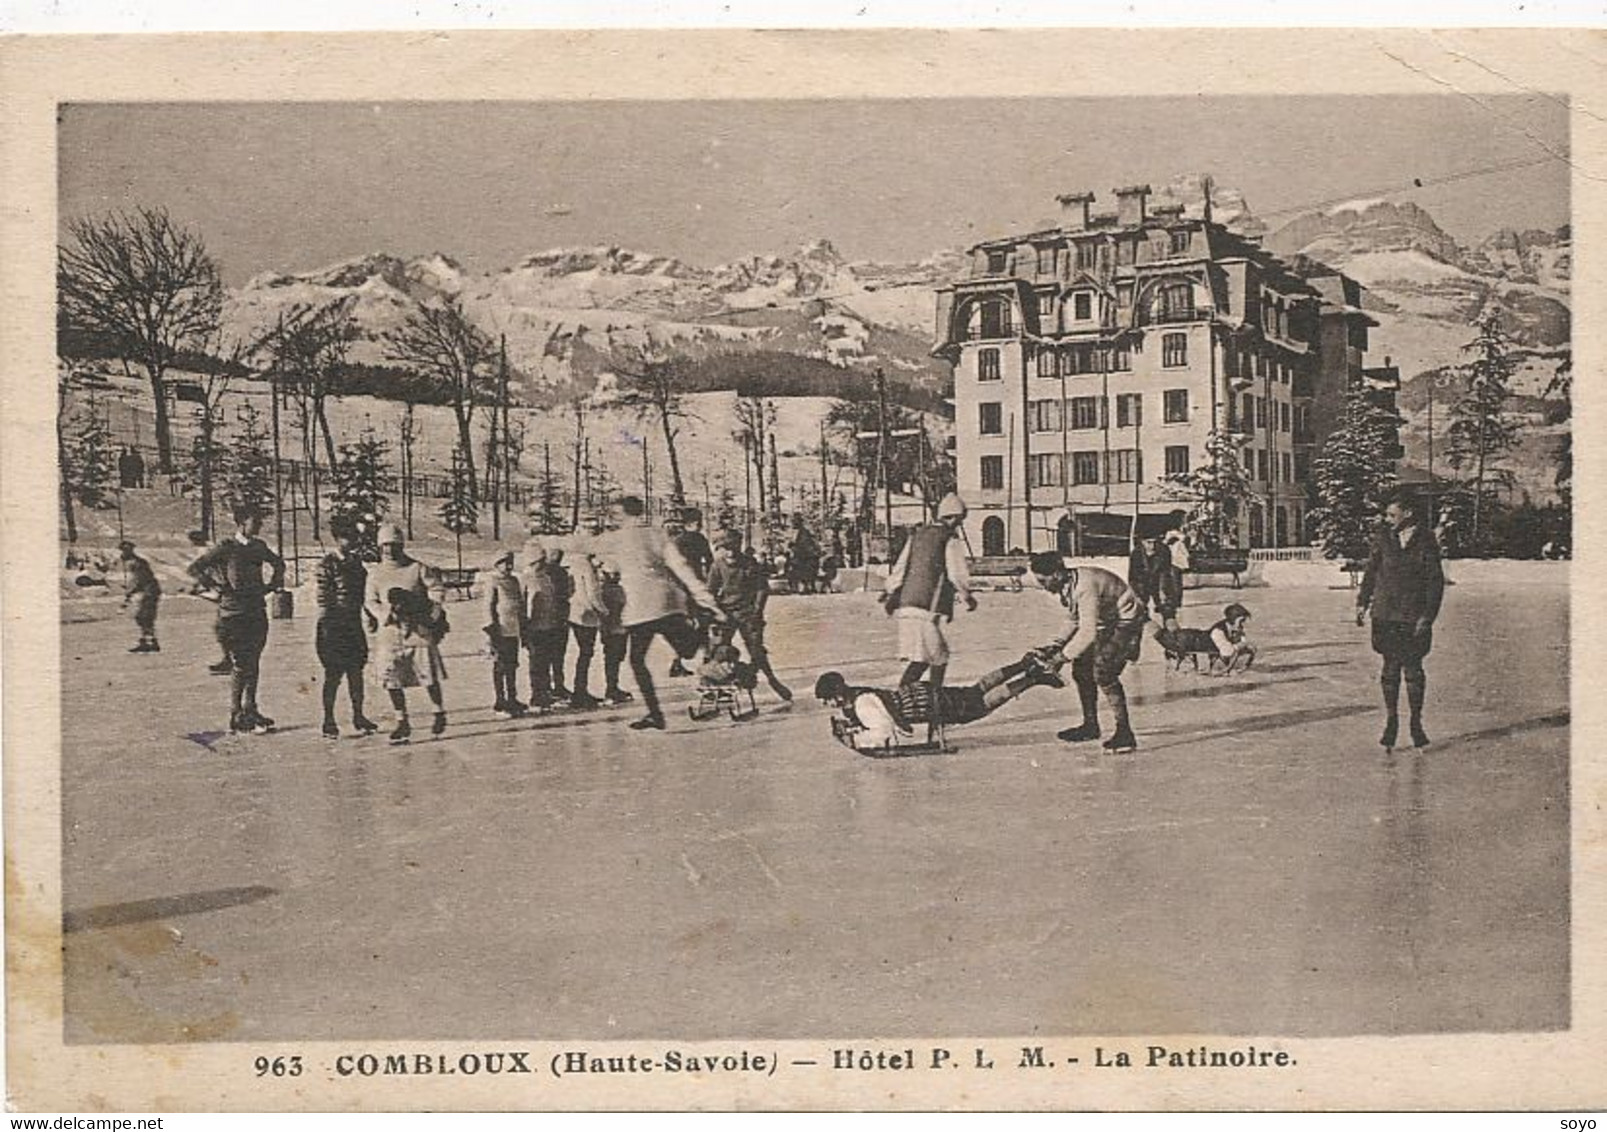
[(1354, 228)]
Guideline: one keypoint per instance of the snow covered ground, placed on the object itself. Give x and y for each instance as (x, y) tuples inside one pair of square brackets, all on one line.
[(1259, 865)]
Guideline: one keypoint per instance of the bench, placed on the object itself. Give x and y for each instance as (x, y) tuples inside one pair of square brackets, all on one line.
[(460, 582), (1234, 562), (1009, 569)]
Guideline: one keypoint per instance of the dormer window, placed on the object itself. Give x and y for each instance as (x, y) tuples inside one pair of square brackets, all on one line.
[(1082, 306), (997, 259), (1180, 242)]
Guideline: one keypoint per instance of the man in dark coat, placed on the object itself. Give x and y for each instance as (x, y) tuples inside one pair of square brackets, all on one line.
[(1402, 588), (235, 570), (1152, 579)]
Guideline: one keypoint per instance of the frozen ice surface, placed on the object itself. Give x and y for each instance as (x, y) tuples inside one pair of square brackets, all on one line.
[(1259, 865)]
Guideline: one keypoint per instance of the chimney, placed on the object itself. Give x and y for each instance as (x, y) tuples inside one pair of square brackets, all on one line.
[(1074, 210), (1130, 205)]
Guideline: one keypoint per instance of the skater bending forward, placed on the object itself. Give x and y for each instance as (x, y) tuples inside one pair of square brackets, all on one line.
[(1104, 629), (883, 718)]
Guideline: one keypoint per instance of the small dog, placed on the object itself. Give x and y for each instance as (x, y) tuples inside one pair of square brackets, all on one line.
[(1189, 644)]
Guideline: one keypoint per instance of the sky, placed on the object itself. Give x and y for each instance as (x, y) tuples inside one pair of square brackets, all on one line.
[(289, 187)]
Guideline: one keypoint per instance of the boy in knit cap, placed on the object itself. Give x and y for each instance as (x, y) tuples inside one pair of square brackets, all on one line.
[(741, 589), (505, 631)]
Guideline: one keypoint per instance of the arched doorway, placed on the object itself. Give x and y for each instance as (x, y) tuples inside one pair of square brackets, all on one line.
[(992, 535)]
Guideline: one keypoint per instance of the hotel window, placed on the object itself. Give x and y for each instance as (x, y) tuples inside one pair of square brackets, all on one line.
[(1082, 306), (987, 365), (993, 473), (1261, 464), (1044, 470), (1084, 412), (1174, 349), (1177, 459), (1084, 467), (1125, 465), (1261, 415), (1230, 363), (994, 320), (1302, 467), (1126, 251), (1124, 294), (1173, 302), (990, 418), (1129, 410), (1175, 406), (1249, 410), (1046, 260), (1044, 416), (1046, 304), (996, 261), (1121, 359), (1180, 242), (1287, 469), (1048, 363), (1087, 256), (1283, 416)]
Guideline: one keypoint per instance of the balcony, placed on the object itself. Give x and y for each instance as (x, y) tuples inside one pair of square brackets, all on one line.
[(1173, 316)]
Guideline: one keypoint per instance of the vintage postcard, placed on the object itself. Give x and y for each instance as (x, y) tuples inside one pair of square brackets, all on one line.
[(769, 570)]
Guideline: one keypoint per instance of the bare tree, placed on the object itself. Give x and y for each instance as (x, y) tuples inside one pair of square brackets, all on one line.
[(309, 349), (653, 383), (441, 342), (143, 288), (756, 418), (218, 369)]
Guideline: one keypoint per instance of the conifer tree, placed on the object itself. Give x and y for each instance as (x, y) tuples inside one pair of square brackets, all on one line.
[(90, 467), (1217, 490), (248, 469), (460, 512), (1353, 475), (360, 496), (547, 508), (1480, 435)]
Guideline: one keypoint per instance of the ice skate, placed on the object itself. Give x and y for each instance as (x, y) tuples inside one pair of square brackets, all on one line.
[(1392, 728), (329, 730), (617, 696), (648, 723), (363, 725), (1083, 733), (1419, 736), (402, 732), (438, 725), (1123, 741)]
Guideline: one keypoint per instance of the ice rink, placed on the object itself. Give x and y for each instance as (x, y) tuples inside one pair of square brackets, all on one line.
[(1259, 865)]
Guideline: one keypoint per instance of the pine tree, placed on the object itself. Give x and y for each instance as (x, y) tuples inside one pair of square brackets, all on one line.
[(360, 496), (1480, 436), (460, 512), (547, 509), (248, 468), (1353, 475), (90, 468), (1217, 490)]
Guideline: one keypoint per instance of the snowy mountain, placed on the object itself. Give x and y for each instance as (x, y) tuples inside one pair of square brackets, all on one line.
[(1426, 289), (563, 307)]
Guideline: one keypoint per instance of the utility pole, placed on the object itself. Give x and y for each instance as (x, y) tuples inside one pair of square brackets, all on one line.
[(496, 455), (278, 487)]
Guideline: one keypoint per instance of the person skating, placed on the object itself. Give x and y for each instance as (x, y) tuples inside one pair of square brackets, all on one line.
[(611, 627), (141, 591), (234, 570), (505, 632), (585, 618), (660, 591), (879, 717), (563, 589), (687, 534), (407, 634), (740, 588), (1104, 630), (1151, 576), (339, 639), (1402, 588), (926, 580), (546, 622)]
